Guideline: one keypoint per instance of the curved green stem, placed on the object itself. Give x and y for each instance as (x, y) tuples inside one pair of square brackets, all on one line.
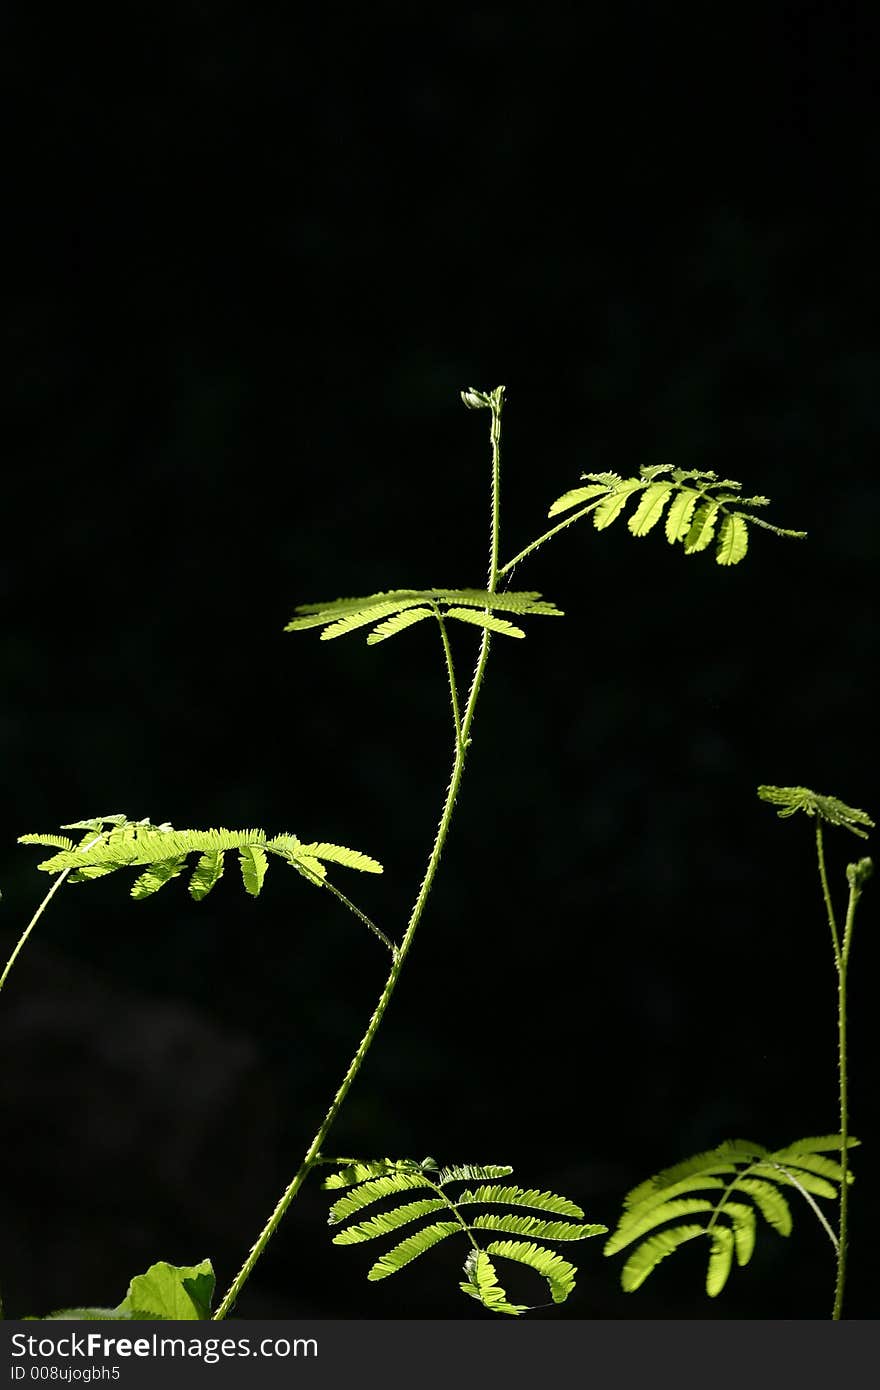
[(312, 1155), (32, 923), (450, 671), (362, 916), (826, 894), (554, 530)]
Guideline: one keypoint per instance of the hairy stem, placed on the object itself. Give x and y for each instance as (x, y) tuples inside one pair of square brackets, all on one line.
[(843, 961), (450, 670), (32, 923), (39, 912), (313, 1153), (554, 530), (362, 916), (826, 894)]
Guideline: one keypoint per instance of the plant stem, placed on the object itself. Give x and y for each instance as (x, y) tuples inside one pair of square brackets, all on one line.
[(32, 923), (575, 516), (826, 894), (462, 742), (362, 916), (843, 961), (450, 670)]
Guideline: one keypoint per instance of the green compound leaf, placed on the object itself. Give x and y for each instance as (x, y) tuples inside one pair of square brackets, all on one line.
[(695, 503), (162, 851), (399, 609), (789, 800), (439, 1201), (735, 1170)]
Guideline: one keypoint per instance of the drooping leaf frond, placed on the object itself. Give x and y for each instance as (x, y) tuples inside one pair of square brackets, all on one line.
[(449, 1215), (789, 800), (398, 609), (700, 507), (735, 1170), (560, 1275), (162, 851), (481, 1283)]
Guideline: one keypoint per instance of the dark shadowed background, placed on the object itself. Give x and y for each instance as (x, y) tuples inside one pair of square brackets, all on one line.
[(257, 256)]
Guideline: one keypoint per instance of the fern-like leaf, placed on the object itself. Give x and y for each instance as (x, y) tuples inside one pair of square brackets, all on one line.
[(695, 503), (790, 800), (735, 1170), (400, 1178), (113, 843), (399, 609)]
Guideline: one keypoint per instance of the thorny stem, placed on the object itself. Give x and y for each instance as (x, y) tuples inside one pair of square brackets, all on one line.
[(842, 963), (38, 914), (352, 907), (313, 1153)]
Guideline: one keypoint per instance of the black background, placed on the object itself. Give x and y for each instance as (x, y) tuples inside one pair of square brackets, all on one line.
[(258, 253)]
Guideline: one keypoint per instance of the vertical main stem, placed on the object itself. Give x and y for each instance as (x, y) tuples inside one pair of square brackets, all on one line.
[(461, 744), (843, 962)]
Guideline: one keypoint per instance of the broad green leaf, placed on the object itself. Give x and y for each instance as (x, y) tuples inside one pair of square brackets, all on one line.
[(744, 1226), (178, 1293), (358, 1172)]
